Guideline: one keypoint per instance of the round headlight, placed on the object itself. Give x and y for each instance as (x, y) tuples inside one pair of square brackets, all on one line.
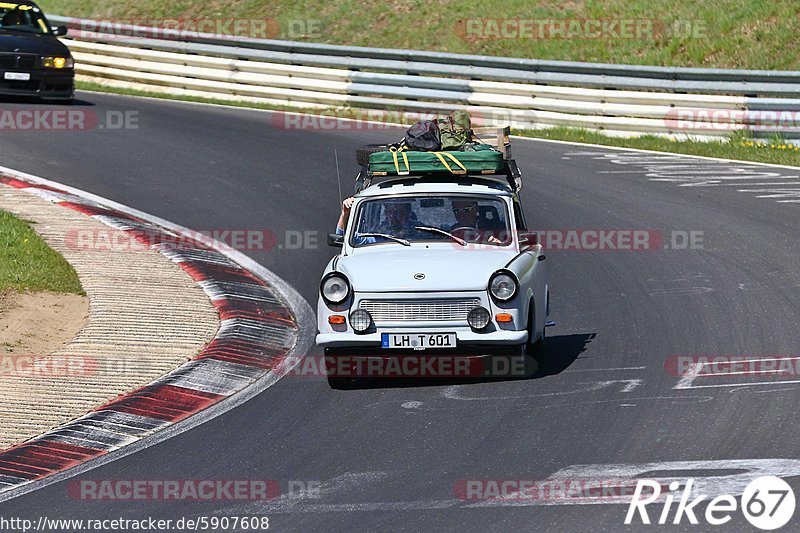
[(335, 288), (361, 320), (479, 318), (503, 286)]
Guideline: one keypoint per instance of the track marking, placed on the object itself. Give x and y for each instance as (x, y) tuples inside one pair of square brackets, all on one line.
[(452, 392), (711, 477), (687, 382), (606, 369), (687, 171)]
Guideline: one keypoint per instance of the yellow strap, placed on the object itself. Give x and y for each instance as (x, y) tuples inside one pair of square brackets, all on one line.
[(407, 171), (441, 155), (456, 161)]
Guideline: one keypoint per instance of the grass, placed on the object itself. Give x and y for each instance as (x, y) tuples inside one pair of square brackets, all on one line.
[(755, 34), (739, 146), (28, 264)]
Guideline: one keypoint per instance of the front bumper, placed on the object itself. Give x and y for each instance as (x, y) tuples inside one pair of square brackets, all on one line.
[(466, 337), (45, 84), (494, 335)]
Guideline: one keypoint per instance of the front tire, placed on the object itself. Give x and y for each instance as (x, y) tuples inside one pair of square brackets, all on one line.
[(534, 348), (540, 343)]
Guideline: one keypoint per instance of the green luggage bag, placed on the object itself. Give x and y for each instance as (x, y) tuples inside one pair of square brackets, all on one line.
[(476, 159)]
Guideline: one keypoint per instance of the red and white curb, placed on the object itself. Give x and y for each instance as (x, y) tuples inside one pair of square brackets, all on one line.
[(264, 332)]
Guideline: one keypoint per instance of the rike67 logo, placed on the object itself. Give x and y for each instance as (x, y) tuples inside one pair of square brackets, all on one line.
[(767, 502)]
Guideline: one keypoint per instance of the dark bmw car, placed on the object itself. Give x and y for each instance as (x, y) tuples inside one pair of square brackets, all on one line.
[(33, 62)]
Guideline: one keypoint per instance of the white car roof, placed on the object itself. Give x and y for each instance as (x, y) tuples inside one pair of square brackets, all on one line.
[(468, 185)]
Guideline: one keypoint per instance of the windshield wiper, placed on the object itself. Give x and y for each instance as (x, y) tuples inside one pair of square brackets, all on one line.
[(459, 240), (385, 236)]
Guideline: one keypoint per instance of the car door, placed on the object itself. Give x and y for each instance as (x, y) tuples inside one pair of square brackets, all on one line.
[(531, 270)]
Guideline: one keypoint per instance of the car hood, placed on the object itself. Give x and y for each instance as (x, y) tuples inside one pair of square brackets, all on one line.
[(393, 267), (31, 44)]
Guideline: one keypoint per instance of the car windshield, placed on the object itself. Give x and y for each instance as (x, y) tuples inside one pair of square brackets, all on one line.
[(460, 220), (22, 18)]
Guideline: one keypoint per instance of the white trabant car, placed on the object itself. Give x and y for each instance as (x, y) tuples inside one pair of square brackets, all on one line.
[(440, 265)]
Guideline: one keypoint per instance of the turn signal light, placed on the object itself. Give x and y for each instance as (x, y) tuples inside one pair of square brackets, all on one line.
[(336, 320), (504, 318)]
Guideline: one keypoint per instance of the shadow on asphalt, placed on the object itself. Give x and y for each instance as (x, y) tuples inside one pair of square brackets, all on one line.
[(555, 357), (39, 102)]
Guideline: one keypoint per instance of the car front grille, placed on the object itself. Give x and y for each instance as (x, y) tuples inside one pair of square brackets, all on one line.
[(26, 62), (20, 61), (420, 310)]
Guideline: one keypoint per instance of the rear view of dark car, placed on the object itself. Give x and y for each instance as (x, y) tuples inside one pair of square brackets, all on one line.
[(33, 62)]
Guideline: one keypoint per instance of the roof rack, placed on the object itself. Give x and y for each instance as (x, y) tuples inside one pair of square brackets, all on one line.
[(501, 141)]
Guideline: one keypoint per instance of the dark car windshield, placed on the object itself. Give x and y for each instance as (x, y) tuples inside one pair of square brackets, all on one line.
[(22, 18), (443, 218)]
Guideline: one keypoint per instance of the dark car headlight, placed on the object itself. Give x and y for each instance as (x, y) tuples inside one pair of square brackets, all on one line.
[(57, 62), (360, 320), (479, 318), (334, 288), (503, 285)]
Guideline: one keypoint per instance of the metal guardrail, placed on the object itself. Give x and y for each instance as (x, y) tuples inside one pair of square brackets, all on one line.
[(526, 93)]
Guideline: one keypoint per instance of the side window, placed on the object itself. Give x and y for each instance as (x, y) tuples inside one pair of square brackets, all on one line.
[(521, 225)]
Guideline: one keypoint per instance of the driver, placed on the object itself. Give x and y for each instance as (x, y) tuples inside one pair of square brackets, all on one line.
[(466, 213), (15, 17)]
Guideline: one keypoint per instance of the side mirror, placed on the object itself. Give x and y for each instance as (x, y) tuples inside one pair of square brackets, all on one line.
[(335, 240), (528, 238), (60, 31)]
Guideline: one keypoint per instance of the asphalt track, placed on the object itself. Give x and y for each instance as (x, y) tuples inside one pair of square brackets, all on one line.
[(389, 454)]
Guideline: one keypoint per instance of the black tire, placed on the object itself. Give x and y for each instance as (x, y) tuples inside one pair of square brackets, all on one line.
[(534, 347), (363, 152), (541, 342)]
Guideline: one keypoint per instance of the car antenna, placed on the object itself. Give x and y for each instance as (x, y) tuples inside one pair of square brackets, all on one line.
[(338, 177)]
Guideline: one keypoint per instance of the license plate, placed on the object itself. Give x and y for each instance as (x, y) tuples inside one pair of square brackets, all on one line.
[(18, 76), (418, 341)]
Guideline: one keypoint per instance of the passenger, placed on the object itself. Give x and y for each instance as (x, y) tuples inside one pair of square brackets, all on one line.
[(347, 205), (399, 222)]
